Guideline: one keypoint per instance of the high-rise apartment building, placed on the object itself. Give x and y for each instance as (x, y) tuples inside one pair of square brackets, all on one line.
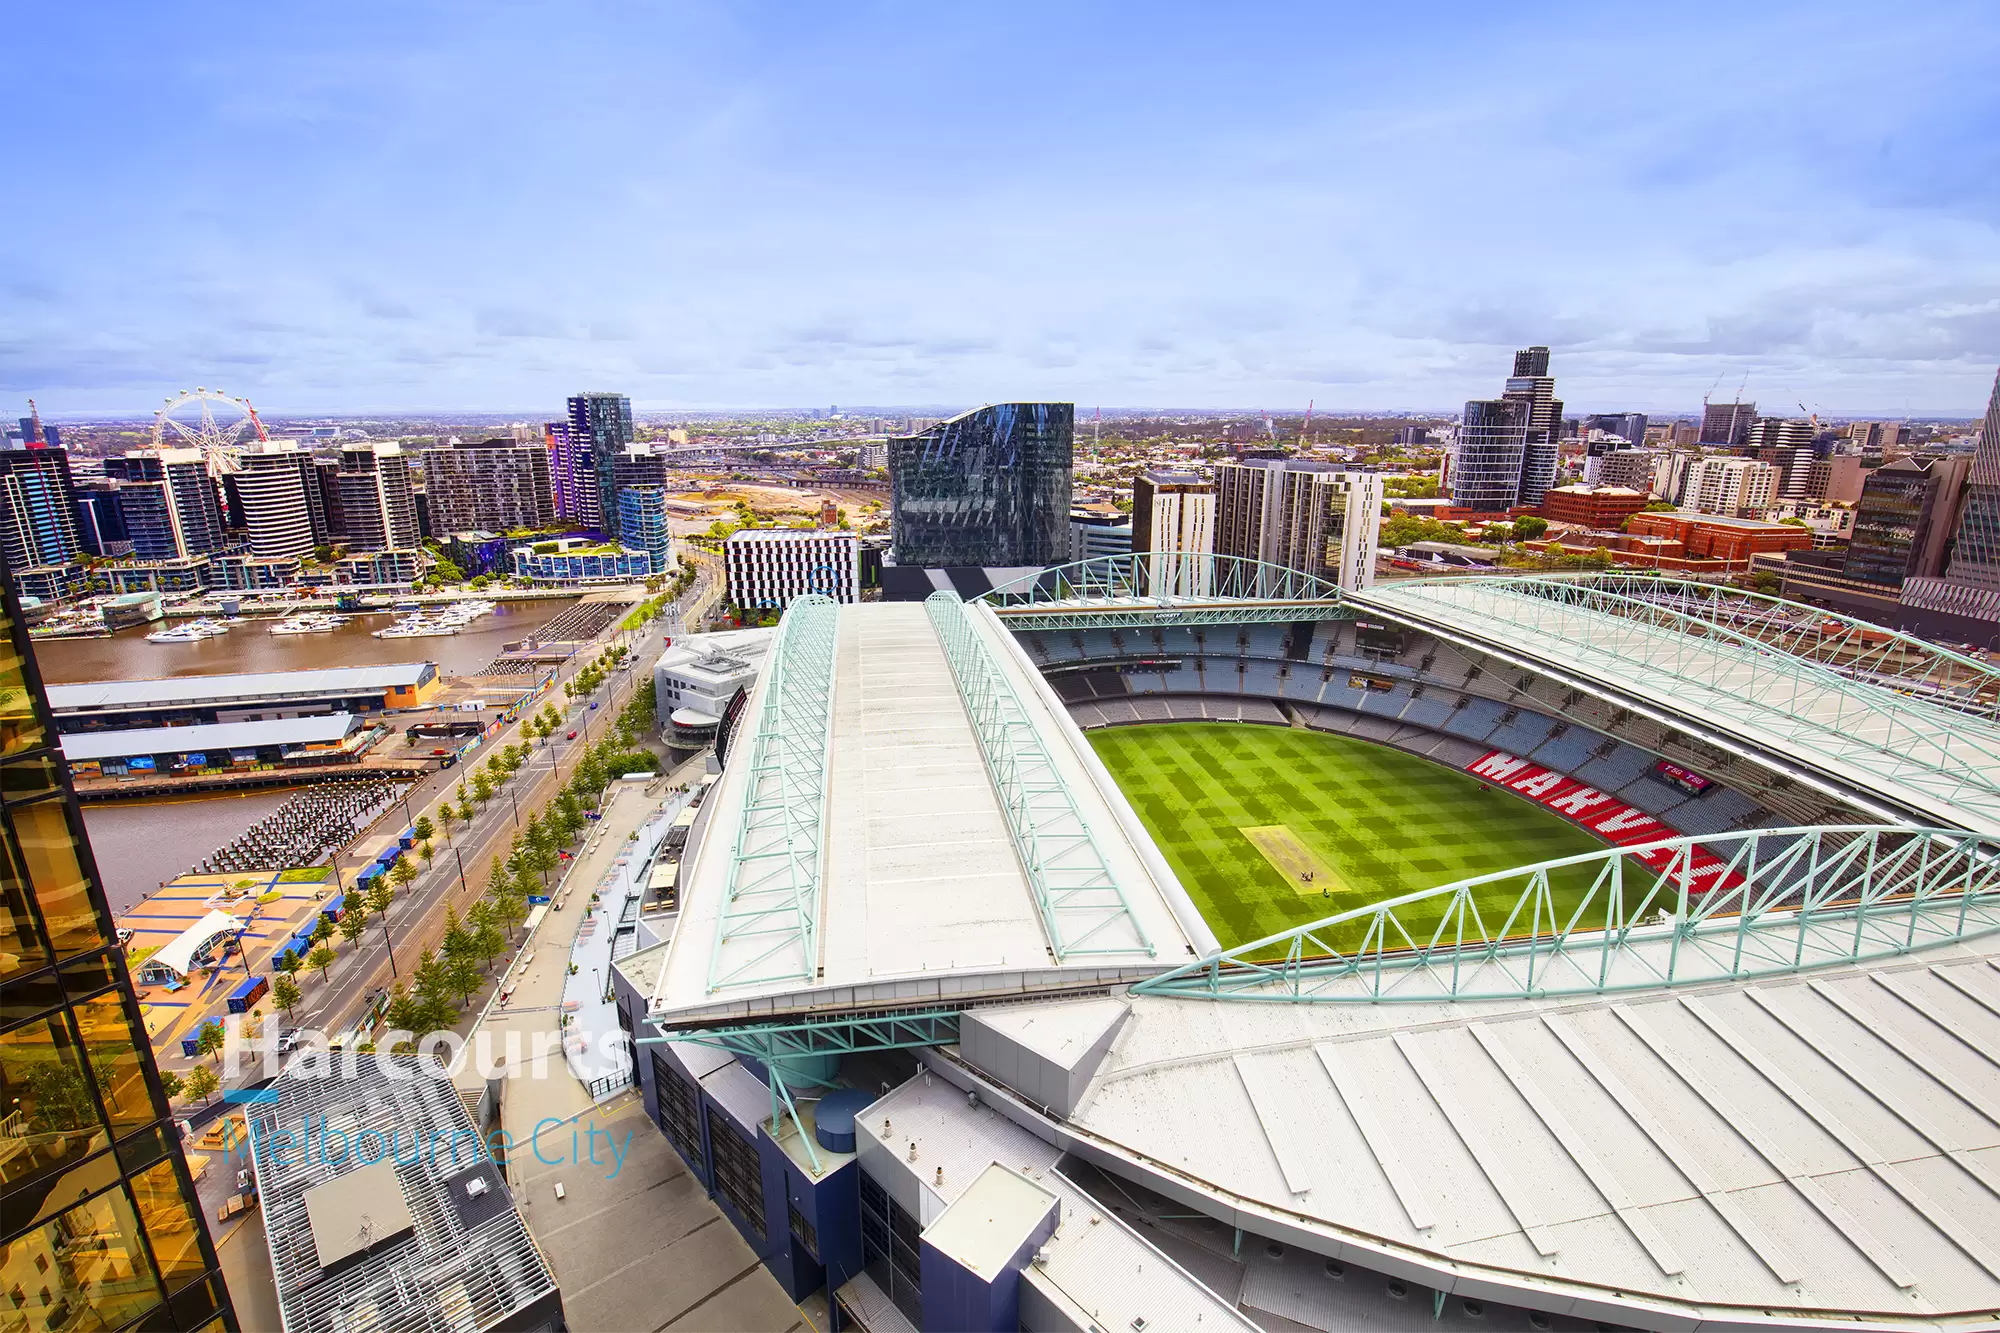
[(1904, 521), (37, 508), (1736, 487), (1631, 469), (642, 521), (99, 1224), (1507, 449), (571, 476), (1836, 480), (378, 506), (1173, 525), (1532, 384), (600, 424), (1627, 426), (169, 503), (768, 567), (495, 485), (1726, 424), (990, 487), (1483, 469), (1311, 517), (274, 483), (1971, 583)]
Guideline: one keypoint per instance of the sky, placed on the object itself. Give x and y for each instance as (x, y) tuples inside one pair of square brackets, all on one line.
[(488, 206)]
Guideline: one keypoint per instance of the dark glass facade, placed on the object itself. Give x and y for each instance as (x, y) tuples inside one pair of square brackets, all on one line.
[(99, 1223), (1889, 524), (602, 424), (987, 488), (1487, 460)]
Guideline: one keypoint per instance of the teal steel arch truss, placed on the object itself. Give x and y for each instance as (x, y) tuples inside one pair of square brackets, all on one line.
[(1625, 919), (1156, 588), (769, 925), (1083, 907)]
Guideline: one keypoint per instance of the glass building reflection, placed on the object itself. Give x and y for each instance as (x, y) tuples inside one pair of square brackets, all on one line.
[(99, 1224), (989, 487)]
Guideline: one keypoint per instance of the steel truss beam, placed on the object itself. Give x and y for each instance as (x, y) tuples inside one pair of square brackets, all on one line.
[(1631, 918), (1181, 589), (1121, 617), (789, 1052), (1083, 908), (769, 923), (1776, 684)]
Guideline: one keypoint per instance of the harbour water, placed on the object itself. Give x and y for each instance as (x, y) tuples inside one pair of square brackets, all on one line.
[(251, 646), (141, 843)]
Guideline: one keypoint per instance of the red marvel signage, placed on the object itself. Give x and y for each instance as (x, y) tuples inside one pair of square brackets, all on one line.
[(1602, 813)]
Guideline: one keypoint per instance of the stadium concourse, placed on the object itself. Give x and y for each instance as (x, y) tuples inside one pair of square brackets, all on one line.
[(945, 1024)]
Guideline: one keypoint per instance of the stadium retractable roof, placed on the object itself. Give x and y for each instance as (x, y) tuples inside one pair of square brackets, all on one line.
[(911, 819)]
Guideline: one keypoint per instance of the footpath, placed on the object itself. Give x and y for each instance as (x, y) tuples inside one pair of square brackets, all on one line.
[(634, 1239)]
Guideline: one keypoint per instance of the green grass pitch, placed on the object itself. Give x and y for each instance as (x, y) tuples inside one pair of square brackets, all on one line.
[(1389, 822)]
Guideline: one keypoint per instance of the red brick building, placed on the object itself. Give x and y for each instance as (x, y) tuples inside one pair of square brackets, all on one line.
[(1592, 506), (1716, 537)]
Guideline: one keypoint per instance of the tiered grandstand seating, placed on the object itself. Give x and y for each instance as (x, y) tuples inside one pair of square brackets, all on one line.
[(1475, 720), (1566, 753), (1621, 767), (1655, 798), (1433, 710), (1521, 735)]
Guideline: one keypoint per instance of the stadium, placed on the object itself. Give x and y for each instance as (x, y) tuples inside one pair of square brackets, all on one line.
[(1142, 948)]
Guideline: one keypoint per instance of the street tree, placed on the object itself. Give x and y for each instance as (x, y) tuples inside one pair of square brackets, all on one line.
[(210, 1040), (321, 958), (423, 830), (202, 1083), (425, 850), (353, 921), (402, 874), (285, 994), (171, 1083)]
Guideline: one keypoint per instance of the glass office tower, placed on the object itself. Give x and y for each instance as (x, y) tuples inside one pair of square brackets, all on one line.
[(989, 488), (99, 1224), (1489, 455)]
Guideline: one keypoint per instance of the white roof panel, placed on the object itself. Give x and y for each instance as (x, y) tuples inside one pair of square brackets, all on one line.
[(1786, 1144), (922, 890), (321, 730), (108, 694)]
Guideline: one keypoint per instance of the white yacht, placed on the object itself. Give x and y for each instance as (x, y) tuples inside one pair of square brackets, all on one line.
[(310, 622), (417, 627), (194, 631)]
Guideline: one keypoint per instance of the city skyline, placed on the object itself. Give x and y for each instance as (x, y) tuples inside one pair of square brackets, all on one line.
[(792, 210)]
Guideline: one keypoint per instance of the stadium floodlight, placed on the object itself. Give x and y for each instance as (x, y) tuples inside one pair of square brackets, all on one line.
[(1622, 919)]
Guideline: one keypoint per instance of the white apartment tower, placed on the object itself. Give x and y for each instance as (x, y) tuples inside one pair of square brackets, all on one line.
[(1736, 487), (1311, 517), (271, 481), (1173, 518)]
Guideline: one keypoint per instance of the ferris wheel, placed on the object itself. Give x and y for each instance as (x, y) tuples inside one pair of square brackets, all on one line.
[(211, 421)]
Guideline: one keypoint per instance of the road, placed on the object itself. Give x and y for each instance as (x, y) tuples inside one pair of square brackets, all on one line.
[(417, 918)]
